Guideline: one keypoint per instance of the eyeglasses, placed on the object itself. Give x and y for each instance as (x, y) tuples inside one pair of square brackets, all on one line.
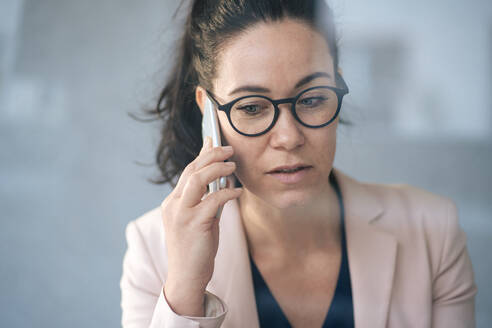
[(254, 115)]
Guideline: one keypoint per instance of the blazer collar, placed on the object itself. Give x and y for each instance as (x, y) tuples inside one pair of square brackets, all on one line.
[(371, 254)]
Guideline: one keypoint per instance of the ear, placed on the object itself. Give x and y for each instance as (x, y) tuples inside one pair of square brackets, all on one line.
[(200, 95)]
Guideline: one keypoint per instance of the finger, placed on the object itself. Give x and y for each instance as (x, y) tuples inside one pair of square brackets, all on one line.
[(208, 207), (196, 185), (206, 144), (213, 154), (207, 156)]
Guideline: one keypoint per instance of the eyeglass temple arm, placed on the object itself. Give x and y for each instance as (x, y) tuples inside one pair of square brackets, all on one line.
[(212, 97), (340, 81)]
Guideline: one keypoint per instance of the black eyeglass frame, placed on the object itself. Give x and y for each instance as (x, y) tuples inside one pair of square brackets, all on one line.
[(340, 92)]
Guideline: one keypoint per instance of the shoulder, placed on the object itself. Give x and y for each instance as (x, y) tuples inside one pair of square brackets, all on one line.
[(149, 223), (425, 224), (146, 228), (395, 204), (414, 206), (427, 229), (145, 238), (418, 215)]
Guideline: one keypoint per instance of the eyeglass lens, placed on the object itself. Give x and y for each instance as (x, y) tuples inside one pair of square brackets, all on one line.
[(252, 115)]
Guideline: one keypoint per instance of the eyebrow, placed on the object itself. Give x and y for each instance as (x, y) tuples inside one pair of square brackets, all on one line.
[(260, 89)]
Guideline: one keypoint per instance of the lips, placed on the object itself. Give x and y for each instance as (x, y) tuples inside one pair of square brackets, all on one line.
[(289, 168)]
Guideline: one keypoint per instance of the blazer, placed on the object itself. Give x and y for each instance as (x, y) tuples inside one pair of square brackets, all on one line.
[(409, 264)]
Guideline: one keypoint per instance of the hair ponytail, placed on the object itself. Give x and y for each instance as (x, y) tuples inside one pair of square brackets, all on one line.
[(181, 130)]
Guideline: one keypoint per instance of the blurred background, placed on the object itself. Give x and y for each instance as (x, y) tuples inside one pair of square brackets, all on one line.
[(74, 166)]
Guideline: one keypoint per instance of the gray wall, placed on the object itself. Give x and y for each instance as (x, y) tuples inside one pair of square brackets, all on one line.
[(420, 76)]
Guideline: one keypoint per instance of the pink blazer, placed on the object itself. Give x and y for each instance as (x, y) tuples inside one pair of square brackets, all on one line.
[(409, 265)]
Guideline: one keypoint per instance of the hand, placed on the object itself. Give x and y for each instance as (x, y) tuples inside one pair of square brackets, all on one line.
[(192, 230)]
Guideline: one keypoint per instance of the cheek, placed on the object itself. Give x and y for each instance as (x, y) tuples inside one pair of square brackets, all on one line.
[(230, 137), (242, 164), (226, 131), (245, 150), (324, 144), (328, 134)]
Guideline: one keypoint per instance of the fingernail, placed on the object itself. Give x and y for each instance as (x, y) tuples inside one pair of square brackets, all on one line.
[(230, 163), (206, 142), (238, 189), (227, 148)]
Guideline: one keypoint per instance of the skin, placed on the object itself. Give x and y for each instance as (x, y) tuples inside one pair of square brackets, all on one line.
[(289, 223)]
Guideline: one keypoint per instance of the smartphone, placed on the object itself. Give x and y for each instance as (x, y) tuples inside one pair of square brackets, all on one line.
[(211, 128)]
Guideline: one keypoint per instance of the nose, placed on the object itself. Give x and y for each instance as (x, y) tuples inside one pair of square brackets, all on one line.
[(287, 132)]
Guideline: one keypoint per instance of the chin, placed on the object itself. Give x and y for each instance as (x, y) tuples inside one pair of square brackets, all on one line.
[(293, 199)]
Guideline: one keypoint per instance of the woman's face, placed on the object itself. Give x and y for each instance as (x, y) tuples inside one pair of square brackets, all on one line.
[(274, 57)]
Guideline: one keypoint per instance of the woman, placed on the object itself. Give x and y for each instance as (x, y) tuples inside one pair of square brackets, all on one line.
[(301, 243)]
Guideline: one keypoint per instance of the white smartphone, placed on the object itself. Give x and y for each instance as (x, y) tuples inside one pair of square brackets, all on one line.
[(211, 128)]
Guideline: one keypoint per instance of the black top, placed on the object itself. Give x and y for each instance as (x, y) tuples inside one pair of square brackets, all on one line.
[(341, 311)]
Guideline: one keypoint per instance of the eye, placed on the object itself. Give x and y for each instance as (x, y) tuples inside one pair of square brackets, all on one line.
[(252, 106), (249, 109), (312, 101)]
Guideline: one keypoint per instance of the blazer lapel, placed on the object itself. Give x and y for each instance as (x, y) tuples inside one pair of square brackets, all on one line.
[(232, 280), (371, 253)]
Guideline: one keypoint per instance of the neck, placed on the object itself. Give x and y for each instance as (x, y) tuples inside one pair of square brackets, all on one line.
[(292, 232)]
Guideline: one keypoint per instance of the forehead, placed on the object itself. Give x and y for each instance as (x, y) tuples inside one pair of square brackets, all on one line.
[(275, 55)]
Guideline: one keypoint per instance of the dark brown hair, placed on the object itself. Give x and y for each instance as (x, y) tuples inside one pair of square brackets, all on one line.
[(209, 25)]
